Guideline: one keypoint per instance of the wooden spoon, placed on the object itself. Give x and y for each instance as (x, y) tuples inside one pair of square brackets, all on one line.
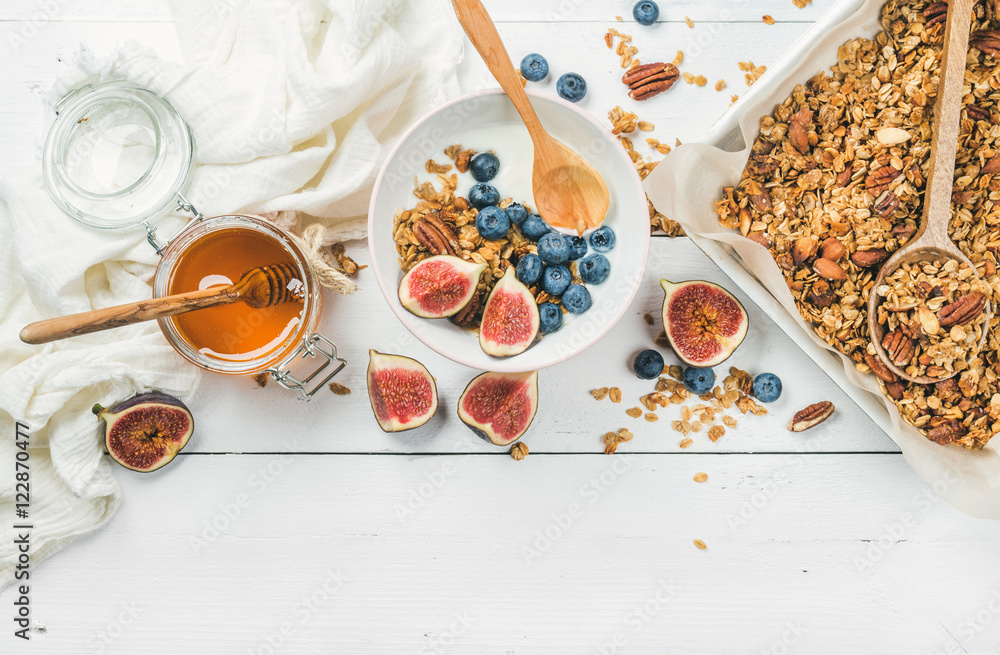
[(931, 242), (259, 287), (568, 192)]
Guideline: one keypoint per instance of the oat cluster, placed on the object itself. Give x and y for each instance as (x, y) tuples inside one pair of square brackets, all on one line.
[(710, 415), (923, 334), (835, 181)]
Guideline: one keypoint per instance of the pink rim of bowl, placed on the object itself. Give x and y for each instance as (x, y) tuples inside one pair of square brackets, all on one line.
[(613, 157)]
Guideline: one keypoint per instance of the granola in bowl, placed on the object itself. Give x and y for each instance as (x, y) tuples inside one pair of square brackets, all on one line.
[(932, 315), (834, 184)]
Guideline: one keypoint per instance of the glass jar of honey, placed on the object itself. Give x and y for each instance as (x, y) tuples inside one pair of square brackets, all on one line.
[(118, 156)]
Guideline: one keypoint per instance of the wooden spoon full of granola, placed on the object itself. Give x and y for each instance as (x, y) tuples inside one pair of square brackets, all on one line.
[(930, 258), (569, 193)]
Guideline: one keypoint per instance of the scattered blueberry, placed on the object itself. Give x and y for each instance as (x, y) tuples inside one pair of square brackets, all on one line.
[(556, 279), (516, 213), (492, 223), (602, 239), (645, 12), (553, 248), (577, 247), (534, 227), (534, 67), (484, 166), (571, 87), (549, 317), (483, 195), (529, 268), (767, 387), (576, 299), (648, 364), (594, 268), (699, 380)]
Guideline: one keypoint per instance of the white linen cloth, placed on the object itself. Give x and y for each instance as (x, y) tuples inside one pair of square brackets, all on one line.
[(292, 104)]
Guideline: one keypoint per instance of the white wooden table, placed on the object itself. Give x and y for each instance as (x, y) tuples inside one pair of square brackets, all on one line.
[(296, 528)]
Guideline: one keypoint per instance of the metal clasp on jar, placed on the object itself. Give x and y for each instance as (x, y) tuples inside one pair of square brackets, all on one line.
[(312, 345)]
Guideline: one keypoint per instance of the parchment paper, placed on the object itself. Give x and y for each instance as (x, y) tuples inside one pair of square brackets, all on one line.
[(688, 182)]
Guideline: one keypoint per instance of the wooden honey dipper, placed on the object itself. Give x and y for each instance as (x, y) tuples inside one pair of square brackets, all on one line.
[(259, 287)]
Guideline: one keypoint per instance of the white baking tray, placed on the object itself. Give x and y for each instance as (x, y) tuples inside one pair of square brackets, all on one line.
[(685, 187)]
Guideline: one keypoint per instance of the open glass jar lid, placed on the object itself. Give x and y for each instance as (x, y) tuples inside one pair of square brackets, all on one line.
[(116, 155)]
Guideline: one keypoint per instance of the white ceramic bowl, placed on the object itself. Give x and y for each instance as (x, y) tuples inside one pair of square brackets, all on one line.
[(628, 216)]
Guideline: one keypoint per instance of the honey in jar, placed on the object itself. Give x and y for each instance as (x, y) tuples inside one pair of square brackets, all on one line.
[(236, 331)]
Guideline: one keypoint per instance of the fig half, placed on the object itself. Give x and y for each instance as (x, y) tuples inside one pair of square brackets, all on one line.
[(439, 286), (510, 318), (499, 407), (402, 392), (144, 433), (703, 322)]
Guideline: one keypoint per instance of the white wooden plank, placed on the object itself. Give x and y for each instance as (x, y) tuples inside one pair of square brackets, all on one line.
[(568, 420), (38, 11), (847, 550)]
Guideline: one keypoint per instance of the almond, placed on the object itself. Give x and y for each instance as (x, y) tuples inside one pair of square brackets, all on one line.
[(804, 249), (829, 270), (832, 249), (869, 258), (892, 136)]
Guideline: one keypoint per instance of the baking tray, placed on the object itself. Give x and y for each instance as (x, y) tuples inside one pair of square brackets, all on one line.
[(968, 480)]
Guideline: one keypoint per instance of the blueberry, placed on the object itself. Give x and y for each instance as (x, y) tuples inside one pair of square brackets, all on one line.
[(576, 299), (492, 223), (594, 269), (516, 213), (648, 364), (699, 380), (556, 279), (529, 268), (571, 87), (549, 317), (534, 67), (483, 195), (484, 166), (645, 12), (602, 239), (767, 387), (553, 248), (577, 247), (534, 227)]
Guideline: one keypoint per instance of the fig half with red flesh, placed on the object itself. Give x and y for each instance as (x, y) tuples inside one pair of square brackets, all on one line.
[(499, 407), (144, 433), (510, 318), (402, 391), (439, 286), (703, 322)]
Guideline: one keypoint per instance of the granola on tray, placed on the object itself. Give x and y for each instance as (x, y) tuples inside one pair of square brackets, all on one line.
[(834, 184)]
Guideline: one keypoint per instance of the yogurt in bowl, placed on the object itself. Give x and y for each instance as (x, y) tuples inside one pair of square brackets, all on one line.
[(486, 121)]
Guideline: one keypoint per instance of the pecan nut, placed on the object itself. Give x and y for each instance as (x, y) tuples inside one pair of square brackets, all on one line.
[(649, 80), (797, 133), (811, 416), (430, 238), (936, 12), (880, 179), (449, 235), (986, 40), (869, 258), (886, 204), (963, 310), (829, 270), (466, 317), (821, 295), (977, 113), (895, 390), (879, 368), (898, 347)]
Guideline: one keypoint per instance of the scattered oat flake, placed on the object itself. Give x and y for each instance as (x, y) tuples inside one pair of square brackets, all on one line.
[(701, 80), (733, 98), (679, 57), (635, 412), (685, 443), (690, 23), (715, 432), (701, 545), (645, 126), (618, 18), (615, 394), (519, 450), (652, 417), (720, 85), (700, 477), (730, 421), (769, 19), (339, 389), (688, 77), (600, 394)]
